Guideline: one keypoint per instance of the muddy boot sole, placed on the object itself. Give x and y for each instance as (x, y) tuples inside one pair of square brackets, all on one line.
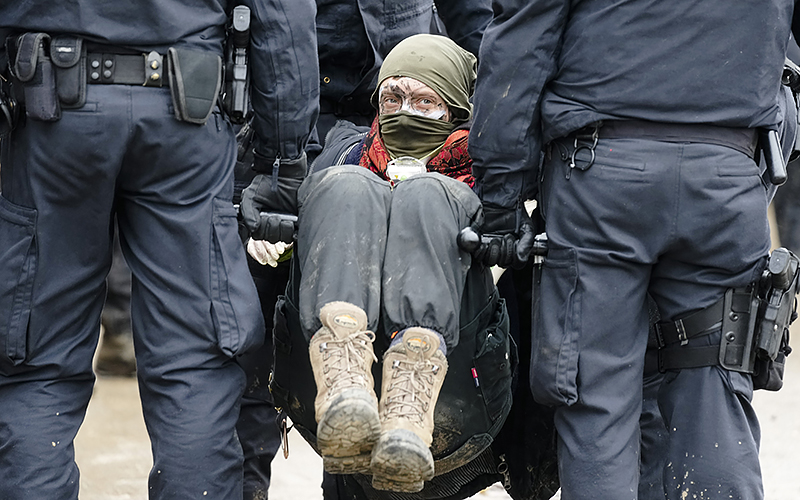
[(348, 431), (401, 462), (358, 464)]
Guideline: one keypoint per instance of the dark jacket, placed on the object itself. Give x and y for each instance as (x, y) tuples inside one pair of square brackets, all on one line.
[(549, 67), (283, 58), (355, 35), (343, 142)]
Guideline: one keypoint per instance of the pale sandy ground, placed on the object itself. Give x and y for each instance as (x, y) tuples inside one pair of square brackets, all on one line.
[(113, 451)]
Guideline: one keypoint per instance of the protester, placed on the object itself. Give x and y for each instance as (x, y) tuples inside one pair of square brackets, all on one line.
[(353, 39), (372, 257)]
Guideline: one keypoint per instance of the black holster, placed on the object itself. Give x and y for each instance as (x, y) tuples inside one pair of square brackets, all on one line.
[(52, 73), (68, 54), (33, 68), (194, 80), (754, 325)]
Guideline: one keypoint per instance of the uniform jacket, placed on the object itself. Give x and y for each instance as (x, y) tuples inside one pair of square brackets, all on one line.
[(283, 59), (549, 67), (355, 35)]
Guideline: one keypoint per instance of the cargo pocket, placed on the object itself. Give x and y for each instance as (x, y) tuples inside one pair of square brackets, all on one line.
[(235, 308), (555, 342), (494, 362), (18, 263)]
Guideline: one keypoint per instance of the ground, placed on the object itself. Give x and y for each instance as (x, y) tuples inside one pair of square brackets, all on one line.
[(113, 452)]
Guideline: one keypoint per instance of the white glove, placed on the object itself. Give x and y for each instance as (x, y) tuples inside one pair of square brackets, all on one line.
[(266, 253)]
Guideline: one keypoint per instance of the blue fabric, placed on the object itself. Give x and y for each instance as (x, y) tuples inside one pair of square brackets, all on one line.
[(282, 34), (355, 36), (700, 228), (193, 303), (565, 64)]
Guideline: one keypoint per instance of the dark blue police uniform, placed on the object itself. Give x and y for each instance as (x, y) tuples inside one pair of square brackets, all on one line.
[(123, 151), (649, 112)]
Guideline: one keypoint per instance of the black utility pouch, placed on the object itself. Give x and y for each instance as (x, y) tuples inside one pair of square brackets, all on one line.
[(34, 69), (194, 81), (68, 54)]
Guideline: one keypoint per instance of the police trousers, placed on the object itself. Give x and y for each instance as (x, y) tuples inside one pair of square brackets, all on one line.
[(391, 252), (684, 222), (194, 306)]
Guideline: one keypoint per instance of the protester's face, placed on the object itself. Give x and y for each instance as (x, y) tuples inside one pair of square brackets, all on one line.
[(407, 94)]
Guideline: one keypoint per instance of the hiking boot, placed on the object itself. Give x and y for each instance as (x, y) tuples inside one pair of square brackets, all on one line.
[(346, 408), (413, 373)]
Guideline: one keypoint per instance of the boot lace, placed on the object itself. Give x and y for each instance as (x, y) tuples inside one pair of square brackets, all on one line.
[(345, 361), (410, 393)]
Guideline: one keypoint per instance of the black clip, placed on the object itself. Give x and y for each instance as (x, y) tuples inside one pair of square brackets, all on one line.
[(659, 336), (681, 332)]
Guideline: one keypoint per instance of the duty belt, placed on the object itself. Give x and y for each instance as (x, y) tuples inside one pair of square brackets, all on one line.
[(148, 70), (743, 140)]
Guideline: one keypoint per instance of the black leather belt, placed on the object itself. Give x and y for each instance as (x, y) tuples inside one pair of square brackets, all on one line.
[(148, 70), (743, 140)]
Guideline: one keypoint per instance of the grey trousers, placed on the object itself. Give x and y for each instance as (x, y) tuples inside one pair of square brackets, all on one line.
[(391, 252)]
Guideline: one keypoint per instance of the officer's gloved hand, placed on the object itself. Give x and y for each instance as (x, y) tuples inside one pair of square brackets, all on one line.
[(504, 238), (274, 192)]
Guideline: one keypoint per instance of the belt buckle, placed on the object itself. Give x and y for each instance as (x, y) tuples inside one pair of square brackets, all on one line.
[(153, 69)]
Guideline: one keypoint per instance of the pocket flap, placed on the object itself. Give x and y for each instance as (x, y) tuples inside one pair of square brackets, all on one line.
[(65, 50), (28, 48)]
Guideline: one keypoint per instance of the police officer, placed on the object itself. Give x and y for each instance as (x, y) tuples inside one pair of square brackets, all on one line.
[(107, 131), (647, 115)]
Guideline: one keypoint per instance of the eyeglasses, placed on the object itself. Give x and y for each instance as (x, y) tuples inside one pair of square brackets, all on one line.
[(417, 99)]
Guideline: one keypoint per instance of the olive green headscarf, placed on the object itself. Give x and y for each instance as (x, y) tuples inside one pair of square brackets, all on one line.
[(439, 63)]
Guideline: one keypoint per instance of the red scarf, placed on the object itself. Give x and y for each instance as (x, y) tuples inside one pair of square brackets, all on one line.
[(453, 159)]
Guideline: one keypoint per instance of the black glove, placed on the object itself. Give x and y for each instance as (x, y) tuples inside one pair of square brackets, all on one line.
[(274, 192), (505, 237)]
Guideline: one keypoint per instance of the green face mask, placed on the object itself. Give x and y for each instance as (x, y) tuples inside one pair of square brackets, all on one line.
[(417, 136)]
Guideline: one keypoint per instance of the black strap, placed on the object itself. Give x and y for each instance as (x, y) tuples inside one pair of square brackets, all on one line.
[(743, 140), (124, 69), (670, 332), (678, 358)]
